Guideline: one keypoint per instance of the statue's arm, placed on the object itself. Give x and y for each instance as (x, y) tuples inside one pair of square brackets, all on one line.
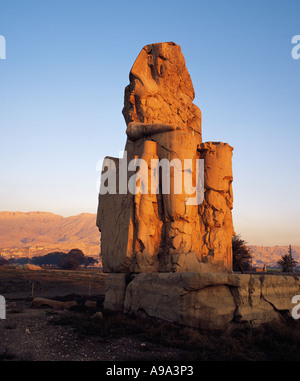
[(137, 130)]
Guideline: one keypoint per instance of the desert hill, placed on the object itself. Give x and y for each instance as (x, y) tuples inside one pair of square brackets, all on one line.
[(37, 233), (269, 255)]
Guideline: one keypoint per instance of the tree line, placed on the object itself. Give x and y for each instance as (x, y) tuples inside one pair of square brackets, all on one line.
[(67, 261), (242, 259)]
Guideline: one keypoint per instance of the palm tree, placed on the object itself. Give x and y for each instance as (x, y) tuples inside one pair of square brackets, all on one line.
[(287, 262), (242, 255)]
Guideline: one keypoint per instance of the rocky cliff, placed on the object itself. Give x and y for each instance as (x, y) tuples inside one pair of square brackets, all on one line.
[(269, 255), (37, 233)]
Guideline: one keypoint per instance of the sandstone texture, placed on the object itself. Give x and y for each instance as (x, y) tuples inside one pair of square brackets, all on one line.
[(54, 304), (166, 231), (216, 221), (207, 300), (115, 288), (168, 254)]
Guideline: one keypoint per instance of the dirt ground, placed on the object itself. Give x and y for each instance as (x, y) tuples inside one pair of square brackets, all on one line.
[(36, 334), (30, 334)]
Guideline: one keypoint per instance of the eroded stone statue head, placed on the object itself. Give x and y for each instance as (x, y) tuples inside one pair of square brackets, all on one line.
[(161, 90)]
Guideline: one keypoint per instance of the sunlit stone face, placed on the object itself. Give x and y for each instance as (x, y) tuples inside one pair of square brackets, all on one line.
[(161, 90), (217, 165)]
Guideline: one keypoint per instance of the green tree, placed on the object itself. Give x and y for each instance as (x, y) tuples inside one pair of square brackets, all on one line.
[(242, 255), (3, 261), (69, 263), (22, 260), (90, 261), (72, 260), (78, 255), (287, 262), (52, 259)]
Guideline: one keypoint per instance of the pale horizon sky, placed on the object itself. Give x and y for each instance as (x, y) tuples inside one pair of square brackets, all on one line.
[(62, 87)]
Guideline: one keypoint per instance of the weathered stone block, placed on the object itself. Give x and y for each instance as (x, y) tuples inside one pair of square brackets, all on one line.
[(146, 232), (207, 300), (115, 288)]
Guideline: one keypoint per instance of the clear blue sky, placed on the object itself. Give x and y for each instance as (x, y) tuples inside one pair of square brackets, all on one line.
[(62, 87)]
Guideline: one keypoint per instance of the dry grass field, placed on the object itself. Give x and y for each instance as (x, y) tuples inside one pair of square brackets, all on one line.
[(15, 283), (45, 334)]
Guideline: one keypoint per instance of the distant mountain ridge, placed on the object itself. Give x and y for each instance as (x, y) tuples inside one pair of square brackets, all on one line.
[(269, 255), (36, 233)]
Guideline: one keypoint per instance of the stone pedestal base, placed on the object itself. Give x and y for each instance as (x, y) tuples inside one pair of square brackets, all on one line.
[(208, 301)]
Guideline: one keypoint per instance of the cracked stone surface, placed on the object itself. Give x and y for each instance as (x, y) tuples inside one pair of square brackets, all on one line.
[(146, 233), (208, 301), (164, 257)]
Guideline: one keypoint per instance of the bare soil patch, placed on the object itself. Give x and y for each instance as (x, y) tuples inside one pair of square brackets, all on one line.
[(45, 334)]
